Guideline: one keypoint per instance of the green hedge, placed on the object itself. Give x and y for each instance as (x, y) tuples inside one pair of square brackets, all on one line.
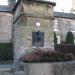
[(6, 51), (69, 38)]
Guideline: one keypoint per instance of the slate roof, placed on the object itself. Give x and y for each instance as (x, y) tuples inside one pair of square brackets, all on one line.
[(64, 15), (5, 9), (56, 14)]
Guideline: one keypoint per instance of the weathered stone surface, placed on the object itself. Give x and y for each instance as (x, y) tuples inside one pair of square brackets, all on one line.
[(31, 13), (64, 25), (25, 19), (38, 9), (59, 68), (46, 27)]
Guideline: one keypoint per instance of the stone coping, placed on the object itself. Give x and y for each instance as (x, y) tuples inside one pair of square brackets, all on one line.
[(22, 63), (53, 68), (42, 1)]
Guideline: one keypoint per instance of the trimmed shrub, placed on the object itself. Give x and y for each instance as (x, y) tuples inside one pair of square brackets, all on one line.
[(46, 56), (6, 51), (69, 38), (65, 48)]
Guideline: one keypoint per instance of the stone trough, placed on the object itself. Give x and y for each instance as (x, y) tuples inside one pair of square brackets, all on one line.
[(52, 68)]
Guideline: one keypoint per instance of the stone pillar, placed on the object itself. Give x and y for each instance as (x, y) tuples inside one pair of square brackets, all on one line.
[(33, 12)]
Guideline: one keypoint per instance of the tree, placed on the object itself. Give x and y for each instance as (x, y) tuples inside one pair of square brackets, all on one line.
[(55, 38), (69, 38)]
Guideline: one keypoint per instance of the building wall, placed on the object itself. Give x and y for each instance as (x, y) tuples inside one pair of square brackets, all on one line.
[(63, 26), (5, 27)]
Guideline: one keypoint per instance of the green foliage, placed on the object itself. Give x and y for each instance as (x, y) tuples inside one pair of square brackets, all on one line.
[(55, 38), (6, 51), (69, 38)]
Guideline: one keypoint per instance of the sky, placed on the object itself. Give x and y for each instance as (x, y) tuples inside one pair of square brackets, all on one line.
[(61, 5), (3, 2)]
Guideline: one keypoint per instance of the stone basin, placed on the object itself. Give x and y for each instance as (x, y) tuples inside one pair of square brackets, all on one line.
[(51, 68)]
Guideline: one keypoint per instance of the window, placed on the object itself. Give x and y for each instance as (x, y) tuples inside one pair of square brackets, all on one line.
[(38, 38), (58, 39)]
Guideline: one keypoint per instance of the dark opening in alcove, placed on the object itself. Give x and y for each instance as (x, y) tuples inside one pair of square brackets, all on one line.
[(38, 38)]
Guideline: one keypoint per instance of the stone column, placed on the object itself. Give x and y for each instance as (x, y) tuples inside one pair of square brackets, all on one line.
[(31, 13)]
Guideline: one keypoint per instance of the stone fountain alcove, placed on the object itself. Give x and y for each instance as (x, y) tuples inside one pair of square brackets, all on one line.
[(33, 22)]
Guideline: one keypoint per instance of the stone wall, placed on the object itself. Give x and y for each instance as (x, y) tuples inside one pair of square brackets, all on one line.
[(38, 9), (58, 68), (46, 27), (5, 27), (64, 25)]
